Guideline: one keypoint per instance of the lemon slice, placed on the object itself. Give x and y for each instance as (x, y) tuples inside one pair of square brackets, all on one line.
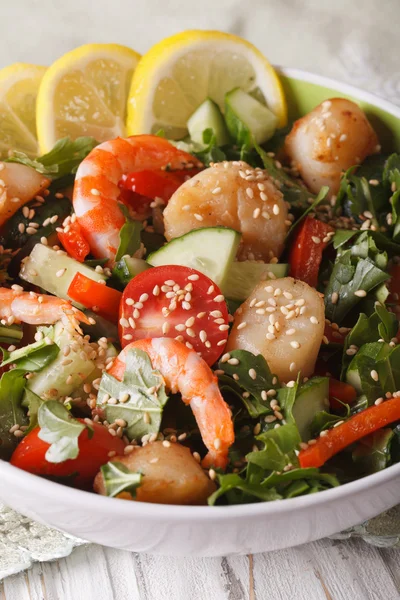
[(180, 72), (84, 93), (19, 84)]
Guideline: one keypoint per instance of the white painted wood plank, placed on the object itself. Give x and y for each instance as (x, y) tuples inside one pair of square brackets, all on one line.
[(16, 588), (121, 568), (196, 578)]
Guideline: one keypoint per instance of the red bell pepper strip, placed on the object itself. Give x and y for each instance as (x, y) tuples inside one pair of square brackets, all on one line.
[(358, 426), (74, 242), (101, 299), (306, 250), (340, 392)]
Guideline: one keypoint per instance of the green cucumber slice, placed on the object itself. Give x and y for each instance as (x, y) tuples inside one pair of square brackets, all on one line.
[(208, 116), (312, 398), (244, 276), (128, 267), (211, 251), (43, 267), (244, 114)]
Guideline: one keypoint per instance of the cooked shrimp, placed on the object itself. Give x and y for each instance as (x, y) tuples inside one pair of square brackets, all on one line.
[(96, 190), (37, 309), (183, 370), (232, 194), (18, 185), (284, 321), (331, 138)]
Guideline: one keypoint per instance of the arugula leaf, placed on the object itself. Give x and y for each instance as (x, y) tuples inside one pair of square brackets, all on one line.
[(62, 160), (250, 491), (210, 152), (323, 420), (322, 194), (12, 385), (60, 429), (349, 275), (380, 325), (293, 191), (118, 478), (342, 236), (254, 403), (33, 357), (279, 446), (383, 359), (129, 235), (146, 391), (33, 402)]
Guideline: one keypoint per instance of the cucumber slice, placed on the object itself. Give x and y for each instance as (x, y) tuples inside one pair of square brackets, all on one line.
[(97, 373), (312, 398), (244, 276), (128, 267), (244, 114), (51, 382), (211, 251), (43, 267), (208, 116), (101, 328)]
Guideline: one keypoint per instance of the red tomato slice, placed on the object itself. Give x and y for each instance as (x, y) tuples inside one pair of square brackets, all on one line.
[(92, 294), (94, 452), (306, 250), (177, 302), (73, 241)]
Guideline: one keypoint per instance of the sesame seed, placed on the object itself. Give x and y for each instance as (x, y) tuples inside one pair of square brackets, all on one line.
[(316, 239), (334, 297), (193, 277), (337, 424), (253, 373), (220, 343), (373, 182), (374, 375), (231, 361), (249, 192), (217, 443), (242, 325), (21, 227), (219, 298), (378, 401), (314, 320), (275, 209), (225, 358), (295, 344), (61, 272), (143, 298), (198, 217), (216, 190), (256, 213), (95, 192), (292, 366), (360, 293), (325, 339)]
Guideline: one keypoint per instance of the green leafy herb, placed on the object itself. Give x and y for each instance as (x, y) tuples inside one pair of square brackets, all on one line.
[(33, 403), (62, 160), (10, 334), (210, 152), (33, 357), (60, 429), (145, 389), (323, 420), (254, 403), (118, 478), (129, 235), (250, 492), (12, 385), (350, 274), (322, 194)]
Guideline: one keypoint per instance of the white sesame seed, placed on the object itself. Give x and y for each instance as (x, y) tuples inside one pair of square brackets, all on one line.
[(95, 192), (360, 293), (193, 277), (256, 213), (374, 375), (232, 361), (378, 401), (130, 301), (61, 272), (275, 209), (242, 325), (225, 358), (316, 239), (295, 344), (291, 331), (253, 373), (217, 443), (249, 192), (143, 298), (314, 320), (219, 298), (216, 190), (334, 297), (198, 217)]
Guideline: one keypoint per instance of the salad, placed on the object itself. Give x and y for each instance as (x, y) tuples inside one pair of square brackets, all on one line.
[(201, 306)]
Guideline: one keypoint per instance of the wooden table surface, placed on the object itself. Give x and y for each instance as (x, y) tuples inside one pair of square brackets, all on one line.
[(325, 570)]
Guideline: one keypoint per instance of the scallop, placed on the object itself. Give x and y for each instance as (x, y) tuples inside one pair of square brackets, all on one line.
[(283, 320), (331, 138), (232, 194), (171, 475)]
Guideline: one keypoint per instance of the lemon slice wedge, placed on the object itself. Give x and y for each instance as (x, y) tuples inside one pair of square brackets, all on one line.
[(84, 93), (180, 72), (19, 84)]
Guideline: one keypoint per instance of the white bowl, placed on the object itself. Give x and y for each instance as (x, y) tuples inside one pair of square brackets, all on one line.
[(203, 530)]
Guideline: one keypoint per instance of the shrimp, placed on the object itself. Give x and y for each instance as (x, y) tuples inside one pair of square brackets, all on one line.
[(288, 333), (37, 309), (96, 191), (18, 185), (232, 194), (331, 138), (183, 370)]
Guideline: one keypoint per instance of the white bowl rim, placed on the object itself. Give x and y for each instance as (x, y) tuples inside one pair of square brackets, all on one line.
[(103, 504)]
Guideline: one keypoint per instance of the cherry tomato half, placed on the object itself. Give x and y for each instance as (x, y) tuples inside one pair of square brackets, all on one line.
[(30, 453), (177, 302)]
